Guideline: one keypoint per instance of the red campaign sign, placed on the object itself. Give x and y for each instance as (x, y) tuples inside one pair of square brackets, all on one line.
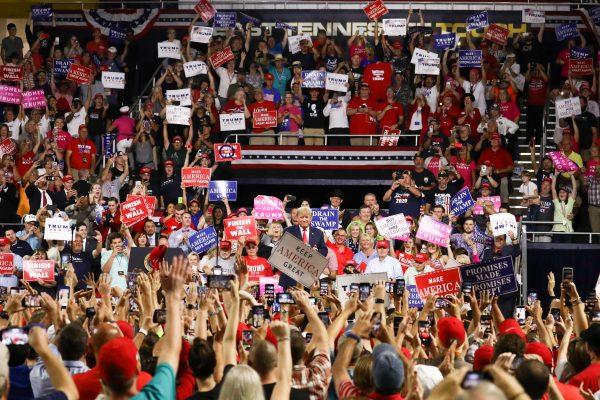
[(150, 202), (225, 152), (581, 67), (195, 177), (221, 57), (34, 270), (375, 9), (9, 73), (79, 74), (264, 119), (238, 227), (133, 211), (443, 282), (497, 34), (205, 9), (7, 146), (7, 265)]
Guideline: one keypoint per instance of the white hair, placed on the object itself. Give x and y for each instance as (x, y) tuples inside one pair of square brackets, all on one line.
[(242, 383)]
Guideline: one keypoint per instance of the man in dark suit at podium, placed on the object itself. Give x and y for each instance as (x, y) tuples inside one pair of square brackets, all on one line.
[(313, 237)]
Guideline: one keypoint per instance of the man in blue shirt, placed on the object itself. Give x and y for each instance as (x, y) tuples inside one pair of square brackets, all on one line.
[(281, 75), (269, 92), (404, 196)]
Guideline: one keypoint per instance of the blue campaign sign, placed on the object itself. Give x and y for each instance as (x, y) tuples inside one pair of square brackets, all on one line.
[(469, 58), (461, 202), (225, 20), (204, 240), (61, 67), (314, 79), (414, 301), (566, 31), (283, 25), (325, 218), (444, 41), (478, 20), (246, 18), (42, 12), (495, 276), (216, 190), (116, 36), (579, 53)]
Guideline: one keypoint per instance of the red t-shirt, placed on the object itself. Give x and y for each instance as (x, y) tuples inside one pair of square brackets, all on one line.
[(24, 162), (264, 105), (465, 170), (379, 77), (490, 63), (536, 92), (82, 152), (362, 123), (405, 260), (509, 110), (500, 159), (342, 255), (170, 226), (567, 391), (232, 107), (565, 56), (473, 120), (447, 118), (392, 115), (589, 377), (96, 47), (89, 387), (257, 267)]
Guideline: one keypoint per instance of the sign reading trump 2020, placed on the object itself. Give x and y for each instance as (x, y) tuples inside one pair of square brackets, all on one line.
[(297, 260), (325, 218), (495, 276)]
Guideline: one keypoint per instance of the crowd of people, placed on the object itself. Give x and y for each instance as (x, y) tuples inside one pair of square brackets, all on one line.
[(217, 324)]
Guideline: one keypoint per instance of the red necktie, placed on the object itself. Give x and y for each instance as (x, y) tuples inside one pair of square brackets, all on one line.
[(304, 238), (44, 200)]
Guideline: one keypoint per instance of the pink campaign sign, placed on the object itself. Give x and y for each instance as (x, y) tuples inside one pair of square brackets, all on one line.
[(10, 94), (433, 231), (561, 162), (34, 99), (267, 207), (478, 208)]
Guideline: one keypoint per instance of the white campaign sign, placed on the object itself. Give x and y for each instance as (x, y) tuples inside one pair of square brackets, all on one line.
[(232, 122), (427, 66), (57, 229), (178, 115), (183, 96), (113, 80), (201, 34), (336, 82), (394, 27), (294, 42), (567, 107), (502, 223), (169, 50), (420, 53), (194, 68), (393, 226), (534, 16)]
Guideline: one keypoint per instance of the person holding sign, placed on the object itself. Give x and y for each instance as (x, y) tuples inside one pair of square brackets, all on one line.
[(261, 105), (475, 85), (256, 266), (310, 236), (362, 111), (564, 55), (564, 201), (181, 237)]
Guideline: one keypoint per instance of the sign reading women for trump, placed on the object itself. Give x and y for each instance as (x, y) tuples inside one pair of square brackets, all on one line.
[(297, 260), (34, 99), (10, 94), (268, 207), (444, 282), (433, 231), (325, 218), (496, 276)]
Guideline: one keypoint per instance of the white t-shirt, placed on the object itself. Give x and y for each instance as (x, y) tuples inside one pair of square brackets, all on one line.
[(15, 128), (225, 80), (389, 265), (337, 113), (78, 120), (431, 96), (478, 91), (416, 120), (528, 189)]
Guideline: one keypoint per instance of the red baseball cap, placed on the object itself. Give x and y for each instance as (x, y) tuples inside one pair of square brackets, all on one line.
[(397, 45), (511, 326), (169, 162), (351, 262), (541, 350), (485, 185), (145, 170), (225, 245), (482, 357), (117, 361), (495, 136), (177, 139), (449, 329), (81, 127), (67, 178), (4, 241), (126, 329), (242, 210), (383, 244), (251, 239), (269, 77), (421, 257), (487, 163)]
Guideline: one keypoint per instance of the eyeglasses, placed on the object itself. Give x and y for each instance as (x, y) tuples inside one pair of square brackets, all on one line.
[(251, 246)]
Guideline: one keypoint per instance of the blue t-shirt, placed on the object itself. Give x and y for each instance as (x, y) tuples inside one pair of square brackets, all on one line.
[(162, 385), (272, 95), (404, 202)]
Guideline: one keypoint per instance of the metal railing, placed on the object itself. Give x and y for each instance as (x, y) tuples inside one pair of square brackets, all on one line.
[(373, 139), (150, 84)]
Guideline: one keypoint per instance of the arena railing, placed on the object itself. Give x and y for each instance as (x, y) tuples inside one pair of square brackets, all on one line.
[(373, 139)]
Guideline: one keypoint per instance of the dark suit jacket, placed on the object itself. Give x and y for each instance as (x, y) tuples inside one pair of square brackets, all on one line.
[(60, 199), (315, 238), (35, 198)]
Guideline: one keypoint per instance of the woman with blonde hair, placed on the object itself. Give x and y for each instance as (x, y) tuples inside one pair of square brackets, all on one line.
[(354, 232), (242, 383)]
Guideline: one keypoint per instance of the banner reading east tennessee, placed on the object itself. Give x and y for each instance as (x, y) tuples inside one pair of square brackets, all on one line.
[(297, 260), (495, 276)]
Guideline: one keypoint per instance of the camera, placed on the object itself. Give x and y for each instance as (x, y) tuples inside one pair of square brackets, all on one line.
[(290, 197)]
